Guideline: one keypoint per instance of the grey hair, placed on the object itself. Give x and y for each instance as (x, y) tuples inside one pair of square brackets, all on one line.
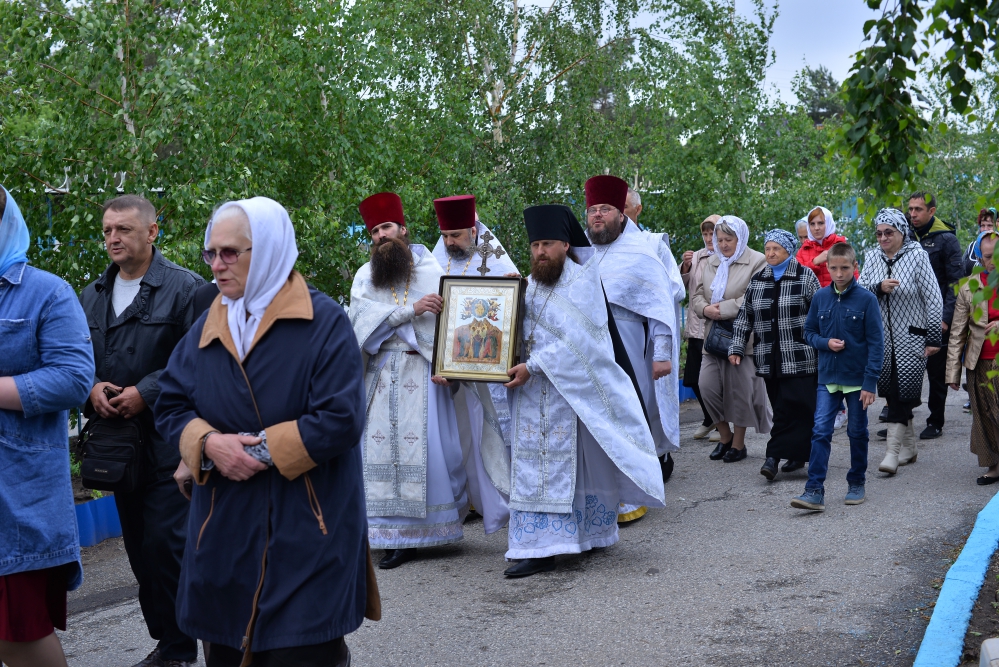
[(634, 197), (725, 228), (801, 223)]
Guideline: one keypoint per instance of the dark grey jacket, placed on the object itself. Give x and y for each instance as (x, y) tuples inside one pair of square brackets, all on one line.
[(131, 350), (946, 259)]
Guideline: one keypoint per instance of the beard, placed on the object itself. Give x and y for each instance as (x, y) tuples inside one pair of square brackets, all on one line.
[(391, 263), (547, 273), (609, 233), (457, 252)]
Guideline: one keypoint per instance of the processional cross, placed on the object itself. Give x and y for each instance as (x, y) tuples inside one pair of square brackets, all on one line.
[(485, 250)]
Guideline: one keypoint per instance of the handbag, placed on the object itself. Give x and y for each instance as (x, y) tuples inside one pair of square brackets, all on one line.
[(719, 338), (112, 454)]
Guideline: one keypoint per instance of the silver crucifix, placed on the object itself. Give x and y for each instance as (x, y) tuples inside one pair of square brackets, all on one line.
[(486, 251)]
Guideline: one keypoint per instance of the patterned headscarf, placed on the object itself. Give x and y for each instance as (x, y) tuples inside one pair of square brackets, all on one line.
[(895, 218), (720, 283), (784, 238)]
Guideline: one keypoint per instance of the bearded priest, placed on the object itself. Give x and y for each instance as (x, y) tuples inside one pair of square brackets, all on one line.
[(481, 408), (456, 250), (414, 480), (581, 443), (642, 300)]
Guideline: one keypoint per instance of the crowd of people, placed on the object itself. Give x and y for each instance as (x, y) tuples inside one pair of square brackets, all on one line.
[(279, 436)]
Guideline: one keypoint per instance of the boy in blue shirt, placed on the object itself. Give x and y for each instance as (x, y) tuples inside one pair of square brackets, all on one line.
[(844, 325)]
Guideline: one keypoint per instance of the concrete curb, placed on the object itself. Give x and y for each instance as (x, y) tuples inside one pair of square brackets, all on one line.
[(943, 643)]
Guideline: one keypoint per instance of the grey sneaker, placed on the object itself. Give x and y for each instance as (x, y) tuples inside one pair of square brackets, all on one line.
[(810, 500), (855, 495)]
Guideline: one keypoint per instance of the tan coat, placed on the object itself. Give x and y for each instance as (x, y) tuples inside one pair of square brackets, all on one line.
[(695, 324), (967, 332), (739, 274)]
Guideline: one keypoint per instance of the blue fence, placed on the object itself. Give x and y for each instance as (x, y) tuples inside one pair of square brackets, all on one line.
[(97, 521)]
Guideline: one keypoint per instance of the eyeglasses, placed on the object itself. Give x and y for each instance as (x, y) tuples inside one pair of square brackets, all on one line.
[(602, 210), (888, 233), (227, 255)]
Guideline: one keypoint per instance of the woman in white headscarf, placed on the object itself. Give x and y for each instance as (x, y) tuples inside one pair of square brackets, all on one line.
[(264, 396), (821, 236), (731, 393)]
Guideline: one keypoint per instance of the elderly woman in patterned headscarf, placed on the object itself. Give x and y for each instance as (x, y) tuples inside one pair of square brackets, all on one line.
[(900, 275), (775, 309), (731, 393)]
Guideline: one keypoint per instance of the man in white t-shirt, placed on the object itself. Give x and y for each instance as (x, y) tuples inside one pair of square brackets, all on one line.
[(137, 312)]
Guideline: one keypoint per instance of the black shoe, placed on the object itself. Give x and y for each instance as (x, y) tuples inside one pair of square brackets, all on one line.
[(883, 417), (966, 407), (529, 566), (791, 466), (930, 432), (396, 557), (154, 659), (733, 455), (667, 466), (769, 469), (719, 452), (883, 434), (985, 480)]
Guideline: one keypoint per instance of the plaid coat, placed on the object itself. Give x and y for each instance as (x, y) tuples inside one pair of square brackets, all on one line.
[(759, 313)]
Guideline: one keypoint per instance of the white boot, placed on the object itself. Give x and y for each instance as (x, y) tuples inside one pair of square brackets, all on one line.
[(890, 463), (908, 452)]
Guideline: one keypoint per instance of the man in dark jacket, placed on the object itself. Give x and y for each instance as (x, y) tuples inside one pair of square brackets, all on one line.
[(939, 241), (137, 311)]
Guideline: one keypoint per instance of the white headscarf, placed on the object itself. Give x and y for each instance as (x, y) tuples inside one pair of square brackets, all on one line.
[(720, 282), (830, 223), (274, 254)]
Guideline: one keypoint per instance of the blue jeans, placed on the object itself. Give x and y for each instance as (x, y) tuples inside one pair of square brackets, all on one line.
[(826, 407)]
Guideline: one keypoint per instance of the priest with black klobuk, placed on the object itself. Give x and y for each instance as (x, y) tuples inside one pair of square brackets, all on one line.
[(581, 442)]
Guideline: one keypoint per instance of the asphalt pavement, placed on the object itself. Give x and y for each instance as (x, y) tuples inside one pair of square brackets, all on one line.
[(727, 574)]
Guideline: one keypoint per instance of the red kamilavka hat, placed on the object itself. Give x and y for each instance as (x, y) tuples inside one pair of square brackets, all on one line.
[(609, 190), (454, 213), (382, 207)]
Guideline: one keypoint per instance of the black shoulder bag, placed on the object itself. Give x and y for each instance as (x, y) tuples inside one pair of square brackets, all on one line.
[(719, 338), (112, 454)]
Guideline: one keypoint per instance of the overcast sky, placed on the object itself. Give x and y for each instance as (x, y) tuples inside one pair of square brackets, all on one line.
[(814, 32)]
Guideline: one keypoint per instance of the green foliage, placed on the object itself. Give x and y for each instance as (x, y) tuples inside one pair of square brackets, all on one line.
[(887, 138), (319, 104), (818, 92)]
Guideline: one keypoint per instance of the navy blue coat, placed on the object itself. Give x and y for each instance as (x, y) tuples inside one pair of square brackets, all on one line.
[(296, 533), (855, 318)]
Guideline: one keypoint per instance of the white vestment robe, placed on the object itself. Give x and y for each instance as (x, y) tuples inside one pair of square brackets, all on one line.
[(414, 478), (484, 433), (497, 266), (645, 295), (580, 441)]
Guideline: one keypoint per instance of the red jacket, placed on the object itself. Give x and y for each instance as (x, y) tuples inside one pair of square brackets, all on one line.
[(812, 249)]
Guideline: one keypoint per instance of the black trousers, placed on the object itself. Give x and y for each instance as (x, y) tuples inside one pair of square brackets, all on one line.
[(936, 371), (692, 371), (793, 401), (154, 529), (899, 411), (317, 655)]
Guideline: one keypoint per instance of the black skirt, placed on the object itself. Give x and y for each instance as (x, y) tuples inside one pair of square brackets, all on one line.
[(793, 402), (692, 367)]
